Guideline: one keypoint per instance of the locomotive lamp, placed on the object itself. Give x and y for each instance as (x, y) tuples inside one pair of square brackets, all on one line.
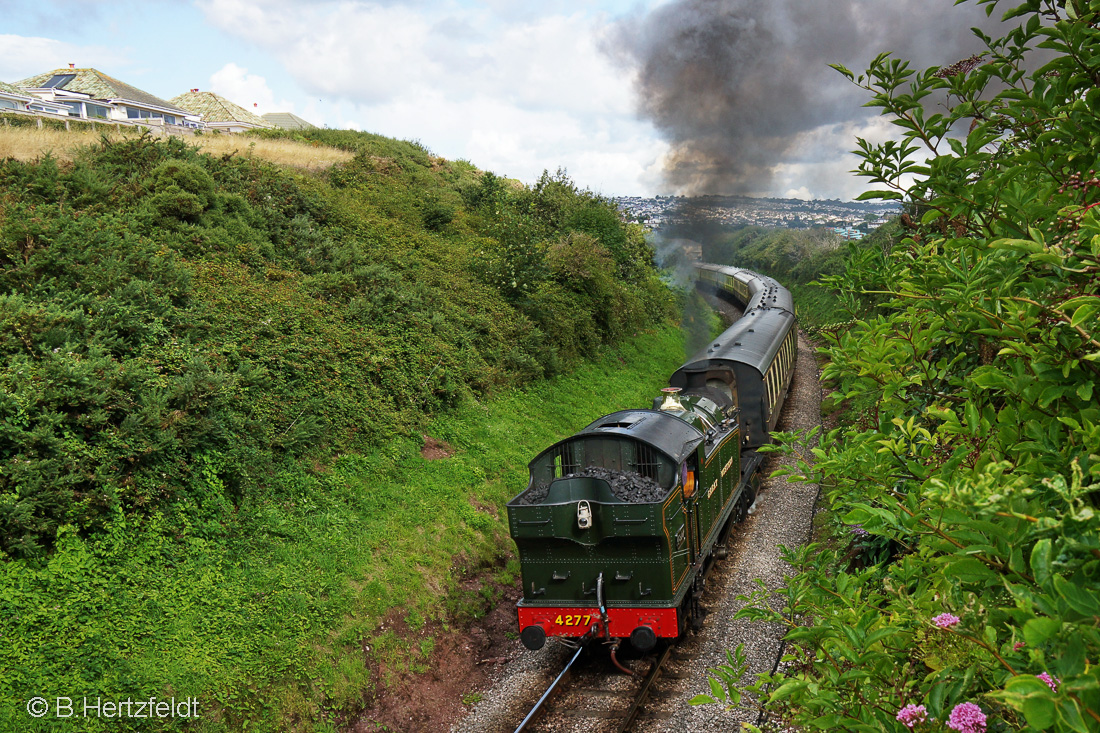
[(584, 515)]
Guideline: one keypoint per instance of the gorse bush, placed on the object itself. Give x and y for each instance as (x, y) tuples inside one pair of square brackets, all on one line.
[(173, 323), (973, 369)]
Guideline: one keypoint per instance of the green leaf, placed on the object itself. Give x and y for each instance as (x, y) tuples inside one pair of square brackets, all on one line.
[(842, 70), (1079, 599), (1020, 245), (1039, 710), (1084, 314), (787, 689), (970, 570), (1041, 561), (1038, 630), (1070, 715), (1027, 684), (716, 689)]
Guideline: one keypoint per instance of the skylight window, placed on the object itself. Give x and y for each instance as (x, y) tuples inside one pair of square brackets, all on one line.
[(58, 80)]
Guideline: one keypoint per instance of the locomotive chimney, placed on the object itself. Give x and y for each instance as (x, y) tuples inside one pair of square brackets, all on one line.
[(672, 399)]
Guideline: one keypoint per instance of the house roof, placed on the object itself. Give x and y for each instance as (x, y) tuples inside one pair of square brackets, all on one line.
[(14, 91), (216, 108), (288, 121), (97, 85)]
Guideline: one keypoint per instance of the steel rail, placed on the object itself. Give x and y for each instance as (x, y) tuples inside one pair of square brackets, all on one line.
[(549, 690), (643, 692)]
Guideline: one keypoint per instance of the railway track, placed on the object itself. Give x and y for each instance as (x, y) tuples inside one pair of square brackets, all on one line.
[(589, 694), (594, 698), (783, 517)]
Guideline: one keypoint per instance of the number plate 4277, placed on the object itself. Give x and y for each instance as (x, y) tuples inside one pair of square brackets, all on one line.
[(574, 619)]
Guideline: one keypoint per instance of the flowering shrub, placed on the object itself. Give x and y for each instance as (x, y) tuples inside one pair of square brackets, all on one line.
[(967, 718), (1051, 681), (946, 620), (971, 372), (911, 715)]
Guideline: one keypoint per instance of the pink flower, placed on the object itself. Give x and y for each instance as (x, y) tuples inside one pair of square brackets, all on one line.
[(945, 620), (910, 715), (967, 718), (1052, 681), (1018, 646)]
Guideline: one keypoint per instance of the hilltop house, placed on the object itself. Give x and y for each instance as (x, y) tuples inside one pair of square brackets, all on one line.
[(20, 100), (13, 98), (92, 95), (288, 121), (218, 112)]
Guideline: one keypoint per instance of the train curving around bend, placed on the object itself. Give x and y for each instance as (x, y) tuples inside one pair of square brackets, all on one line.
[(621, 522)]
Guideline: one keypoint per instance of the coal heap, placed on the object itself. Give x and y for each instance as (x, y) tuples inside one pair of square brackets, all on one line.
[(626, 486)]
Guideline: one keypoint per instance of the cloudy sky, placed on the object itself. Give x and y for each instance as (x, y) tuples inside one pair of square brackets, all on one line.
[(632, 97)]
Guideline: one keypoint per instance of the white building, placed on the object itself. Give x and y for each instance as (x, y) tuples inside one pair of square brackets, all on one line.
[(90, 94), (219, 113)]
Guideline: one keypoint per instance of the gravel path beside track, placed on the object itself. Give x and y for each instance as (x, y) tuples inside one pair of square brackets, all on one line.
[(784, 515)]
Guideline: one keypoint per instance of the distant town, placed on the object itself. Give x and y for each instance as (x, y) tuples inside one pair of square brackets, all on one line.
[(850, 219)]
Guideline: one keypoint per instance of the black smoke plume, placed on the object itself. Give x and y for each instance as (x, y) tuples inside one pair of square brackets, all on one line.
[(737, 86)]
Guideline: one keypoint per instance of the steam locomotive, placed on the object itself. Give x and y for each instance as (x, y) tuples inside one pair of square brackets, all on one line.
[(621, 522)]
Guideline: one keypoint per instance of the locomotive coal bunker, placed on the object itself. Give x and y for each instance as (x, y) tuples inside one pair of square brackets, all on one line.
[(621, 522)]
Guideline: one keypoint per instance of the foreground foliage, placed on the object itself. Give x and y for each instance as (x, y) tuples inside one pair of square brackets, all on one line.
[(963, 590)]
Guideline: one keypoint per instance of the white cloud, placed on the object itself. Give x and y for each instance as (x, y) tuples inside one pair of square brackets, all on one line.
[(820, 163), (798, 193), (23, 56), (247, 90), (512, 92)]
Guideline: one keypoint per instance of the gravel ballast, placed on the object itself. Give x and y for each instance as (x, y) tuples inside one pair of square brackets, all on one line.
[(783, 516)]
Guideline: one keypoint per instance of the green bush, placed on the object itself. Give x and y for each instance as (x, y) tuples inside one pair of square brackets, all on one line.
[(160, 305), (973, 444)]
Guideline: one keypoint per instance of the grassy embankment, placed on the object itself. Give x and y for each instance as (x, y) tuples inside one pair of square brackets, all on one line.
[(270, 625), (29, 143), (217, 375)]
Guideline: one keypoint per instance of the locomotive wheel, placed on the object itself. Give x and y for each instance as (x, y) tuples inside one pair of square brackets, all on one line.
[(697, 615), (742, 509)]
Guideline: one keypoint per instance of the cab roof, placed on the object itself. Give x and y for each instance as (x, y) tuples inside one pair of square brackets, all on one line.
[(662, 431)]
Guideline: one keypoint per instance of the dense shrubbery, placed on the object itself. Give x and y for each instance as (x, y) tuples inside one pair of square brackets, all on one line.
[(974, 458), (800, 255), (162, 309)]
